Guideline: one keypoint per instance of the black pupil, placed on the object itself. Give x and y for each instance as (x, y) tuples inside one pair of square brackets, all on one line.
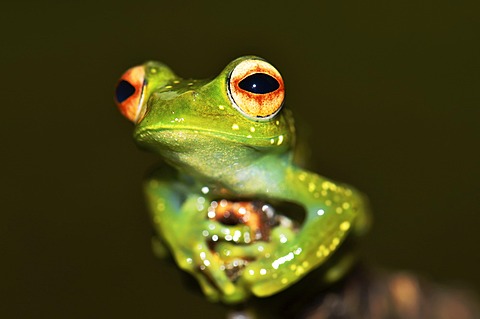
[(259, 83), (124, 90)]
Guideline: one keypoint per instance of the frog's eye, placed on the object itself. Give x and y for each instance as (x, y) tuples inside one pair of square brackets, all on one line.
[(256, 89), (129, 93)]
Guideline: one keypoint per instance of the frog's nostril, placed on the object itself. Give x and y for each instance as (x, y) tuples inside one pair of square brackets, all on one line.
[(124, 90)]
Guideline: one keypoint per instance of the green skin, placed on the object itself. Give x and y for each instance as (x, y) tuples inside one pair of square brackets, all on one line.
[(215, 152)]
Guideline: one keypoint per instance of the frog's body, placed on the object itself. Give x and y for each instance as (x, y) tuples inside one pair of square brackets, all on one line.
[(229, 138)]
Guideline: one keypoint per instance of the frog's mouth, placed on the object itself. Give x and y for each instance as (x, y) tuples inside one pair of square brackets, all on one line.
[(179, 138), (251, 229)]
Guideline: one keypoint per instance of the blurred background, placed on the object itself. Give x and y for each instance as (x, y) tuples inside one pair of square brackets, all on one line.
[(385, 93)]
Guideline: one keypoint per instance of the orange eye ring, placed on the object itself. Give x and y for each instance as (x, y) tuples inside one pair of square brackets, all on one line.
[(129, 93), (256, 89)]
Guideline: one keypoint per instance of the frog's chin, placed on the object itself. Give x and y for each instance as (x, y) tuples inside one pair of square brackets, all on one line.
[(202, 152), (208, 155)]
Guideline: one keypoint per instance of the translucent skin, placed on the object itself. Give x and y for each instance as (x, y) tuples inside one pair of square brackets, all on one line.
[(215, 152)]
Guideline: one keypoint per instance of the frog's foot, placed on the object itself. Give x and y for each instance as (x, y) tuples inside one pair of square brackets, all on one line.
[(242, 232)]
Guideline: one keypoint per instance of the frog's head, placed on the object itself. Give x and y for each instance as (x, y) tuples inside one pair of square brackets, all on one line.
[(208, 127)]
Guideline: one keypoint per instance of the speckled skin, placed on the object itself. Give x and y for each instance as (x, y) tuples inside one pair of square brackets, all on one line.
[(216, 152)]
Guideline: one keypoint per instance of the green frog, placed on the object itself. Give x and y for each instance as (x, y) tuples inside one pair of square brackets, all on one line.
[(228, 144)]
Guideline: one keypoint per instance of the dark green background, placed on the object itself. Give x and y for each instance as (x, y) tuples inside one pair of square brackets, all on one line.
[(388, 92)]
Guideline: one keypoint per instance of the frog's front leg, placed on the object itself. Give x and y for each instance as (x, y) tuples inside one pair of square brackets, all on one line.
[(180, 219), (333, 211)]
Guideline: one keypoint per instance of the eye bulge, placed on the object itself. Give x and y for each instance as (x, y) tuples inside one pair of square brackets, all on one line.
[(129, 93), (256, 89)]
